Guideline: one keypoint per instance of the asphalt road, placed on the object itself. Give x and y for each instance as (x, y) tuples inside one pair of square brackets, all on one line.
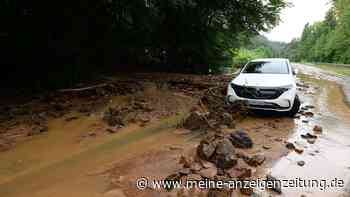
[(344, 81)]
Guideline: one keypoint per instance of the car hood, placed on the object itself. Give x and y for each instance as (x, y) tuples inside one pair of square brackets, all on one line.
[(264, 80)]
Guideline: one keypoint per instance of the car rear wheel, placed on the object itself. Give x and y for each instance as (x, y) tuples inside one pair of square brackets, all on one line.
[(295, 108)]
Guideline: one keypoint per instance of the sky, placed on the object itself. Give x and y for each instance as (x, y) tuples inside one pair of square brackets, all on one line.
[(294, 18)]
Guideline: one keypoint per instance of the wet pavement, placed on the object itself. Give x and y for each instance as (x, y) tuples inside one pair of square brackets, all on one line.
[(327, 161), (344, 81)]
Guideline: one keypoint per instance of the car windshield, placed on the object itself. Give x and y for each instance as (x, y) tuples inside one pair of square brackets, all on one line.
[(266, 67)]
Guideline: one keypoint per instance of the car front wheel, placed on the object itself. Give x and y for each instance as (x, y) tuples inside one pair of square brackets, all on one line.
[(295, 108)]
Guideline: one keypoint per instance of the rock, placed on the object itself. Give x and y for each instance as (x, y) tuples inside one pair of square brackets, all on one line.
[(209, 173), (113, 117), (311, 141), (226, 161), (228, 120), (196, 121), (310, 106), (298, 150), (207, 164), (305, 121), (185, 171), (301, 163), (240, 173), (205, 150), (277, 187), (290, 146), (318, 128), (308, 136), (186, 162), (225, 147), (115, 193), (196, 167), (308, 114), (240, 139), (219, 193), (225, 154), (256, 160), (266, 147)]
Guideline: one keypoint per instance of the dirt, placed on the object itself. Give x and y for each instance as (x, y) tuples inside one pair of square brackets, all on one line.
[(97, 141)]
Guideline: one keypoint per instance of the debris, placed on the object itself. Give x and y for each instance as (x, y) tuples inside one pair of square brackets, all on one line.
[(311, 141), (317, 128), (255, 161), (113, 116), (224, 155), (298, 150), (209, 172), (185, 171), (240, 139), (290, 146), (308, 114), (197, 121), (227, 119), (240, 173), (186, 162), (301, 163), (205, 150), (197, 167), (308, 136)]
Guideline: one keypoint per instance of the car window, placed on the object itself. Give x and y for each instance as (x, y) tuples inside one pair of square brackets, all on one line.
[(266, 67)]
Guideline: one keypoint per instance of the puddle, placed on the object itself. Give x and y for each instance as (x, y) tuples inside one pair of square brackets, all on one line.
[(329, 158)]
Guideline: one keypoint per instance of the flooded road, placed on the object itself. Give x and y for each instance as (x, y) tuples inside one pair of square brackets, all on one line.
[(63, 163), (328, 159)]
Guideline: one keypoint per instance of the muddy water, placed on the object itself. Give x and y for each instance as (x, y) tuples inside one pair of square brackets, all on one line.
[(329, 158), (56, 165)]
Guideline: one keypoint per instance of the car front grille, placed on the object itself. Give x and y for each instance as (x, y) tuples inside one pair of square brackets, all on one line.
[(258, 92)]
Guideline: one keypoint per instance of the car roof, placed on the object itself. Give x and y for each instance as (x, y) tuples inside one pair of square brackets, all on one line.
[(270, 60)]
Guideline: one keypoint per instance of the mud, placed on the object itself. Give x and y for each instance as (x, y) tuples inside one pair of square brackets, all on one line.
[(81, 155)]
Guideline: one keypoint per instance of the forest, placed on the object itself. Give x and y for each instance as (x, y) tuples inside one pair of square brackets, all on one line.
[(55, 44), (326, 41)]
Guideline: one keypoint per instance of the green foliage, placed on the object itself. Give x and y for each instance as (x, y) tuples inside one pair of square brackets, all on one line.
[(257, 47), (325, 41), (188, 32)]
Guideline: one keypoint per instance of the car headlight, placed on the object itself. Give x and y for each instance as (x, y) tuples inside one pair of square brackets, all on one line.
[(286, 88)]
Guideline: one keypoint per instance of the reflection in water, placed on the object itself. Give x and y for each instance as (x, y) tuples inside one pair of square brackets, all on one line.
[(329, 158)]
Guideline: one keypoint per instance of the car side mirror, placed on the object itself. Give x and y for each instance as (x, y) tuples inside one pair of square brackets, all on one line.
[(295, 71)]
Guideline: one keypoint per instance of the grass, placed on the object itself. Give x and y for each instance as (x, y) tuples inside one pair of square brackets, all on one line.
[(343, 70)]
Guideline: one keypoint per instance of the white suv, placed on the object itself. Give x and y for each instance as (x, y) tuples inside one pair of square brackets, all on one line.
[(266, 84)]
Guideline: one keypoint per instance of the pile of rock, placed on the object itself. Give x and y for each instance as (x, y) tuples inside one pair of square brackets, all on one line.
[(213, 113), (217, 158)]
